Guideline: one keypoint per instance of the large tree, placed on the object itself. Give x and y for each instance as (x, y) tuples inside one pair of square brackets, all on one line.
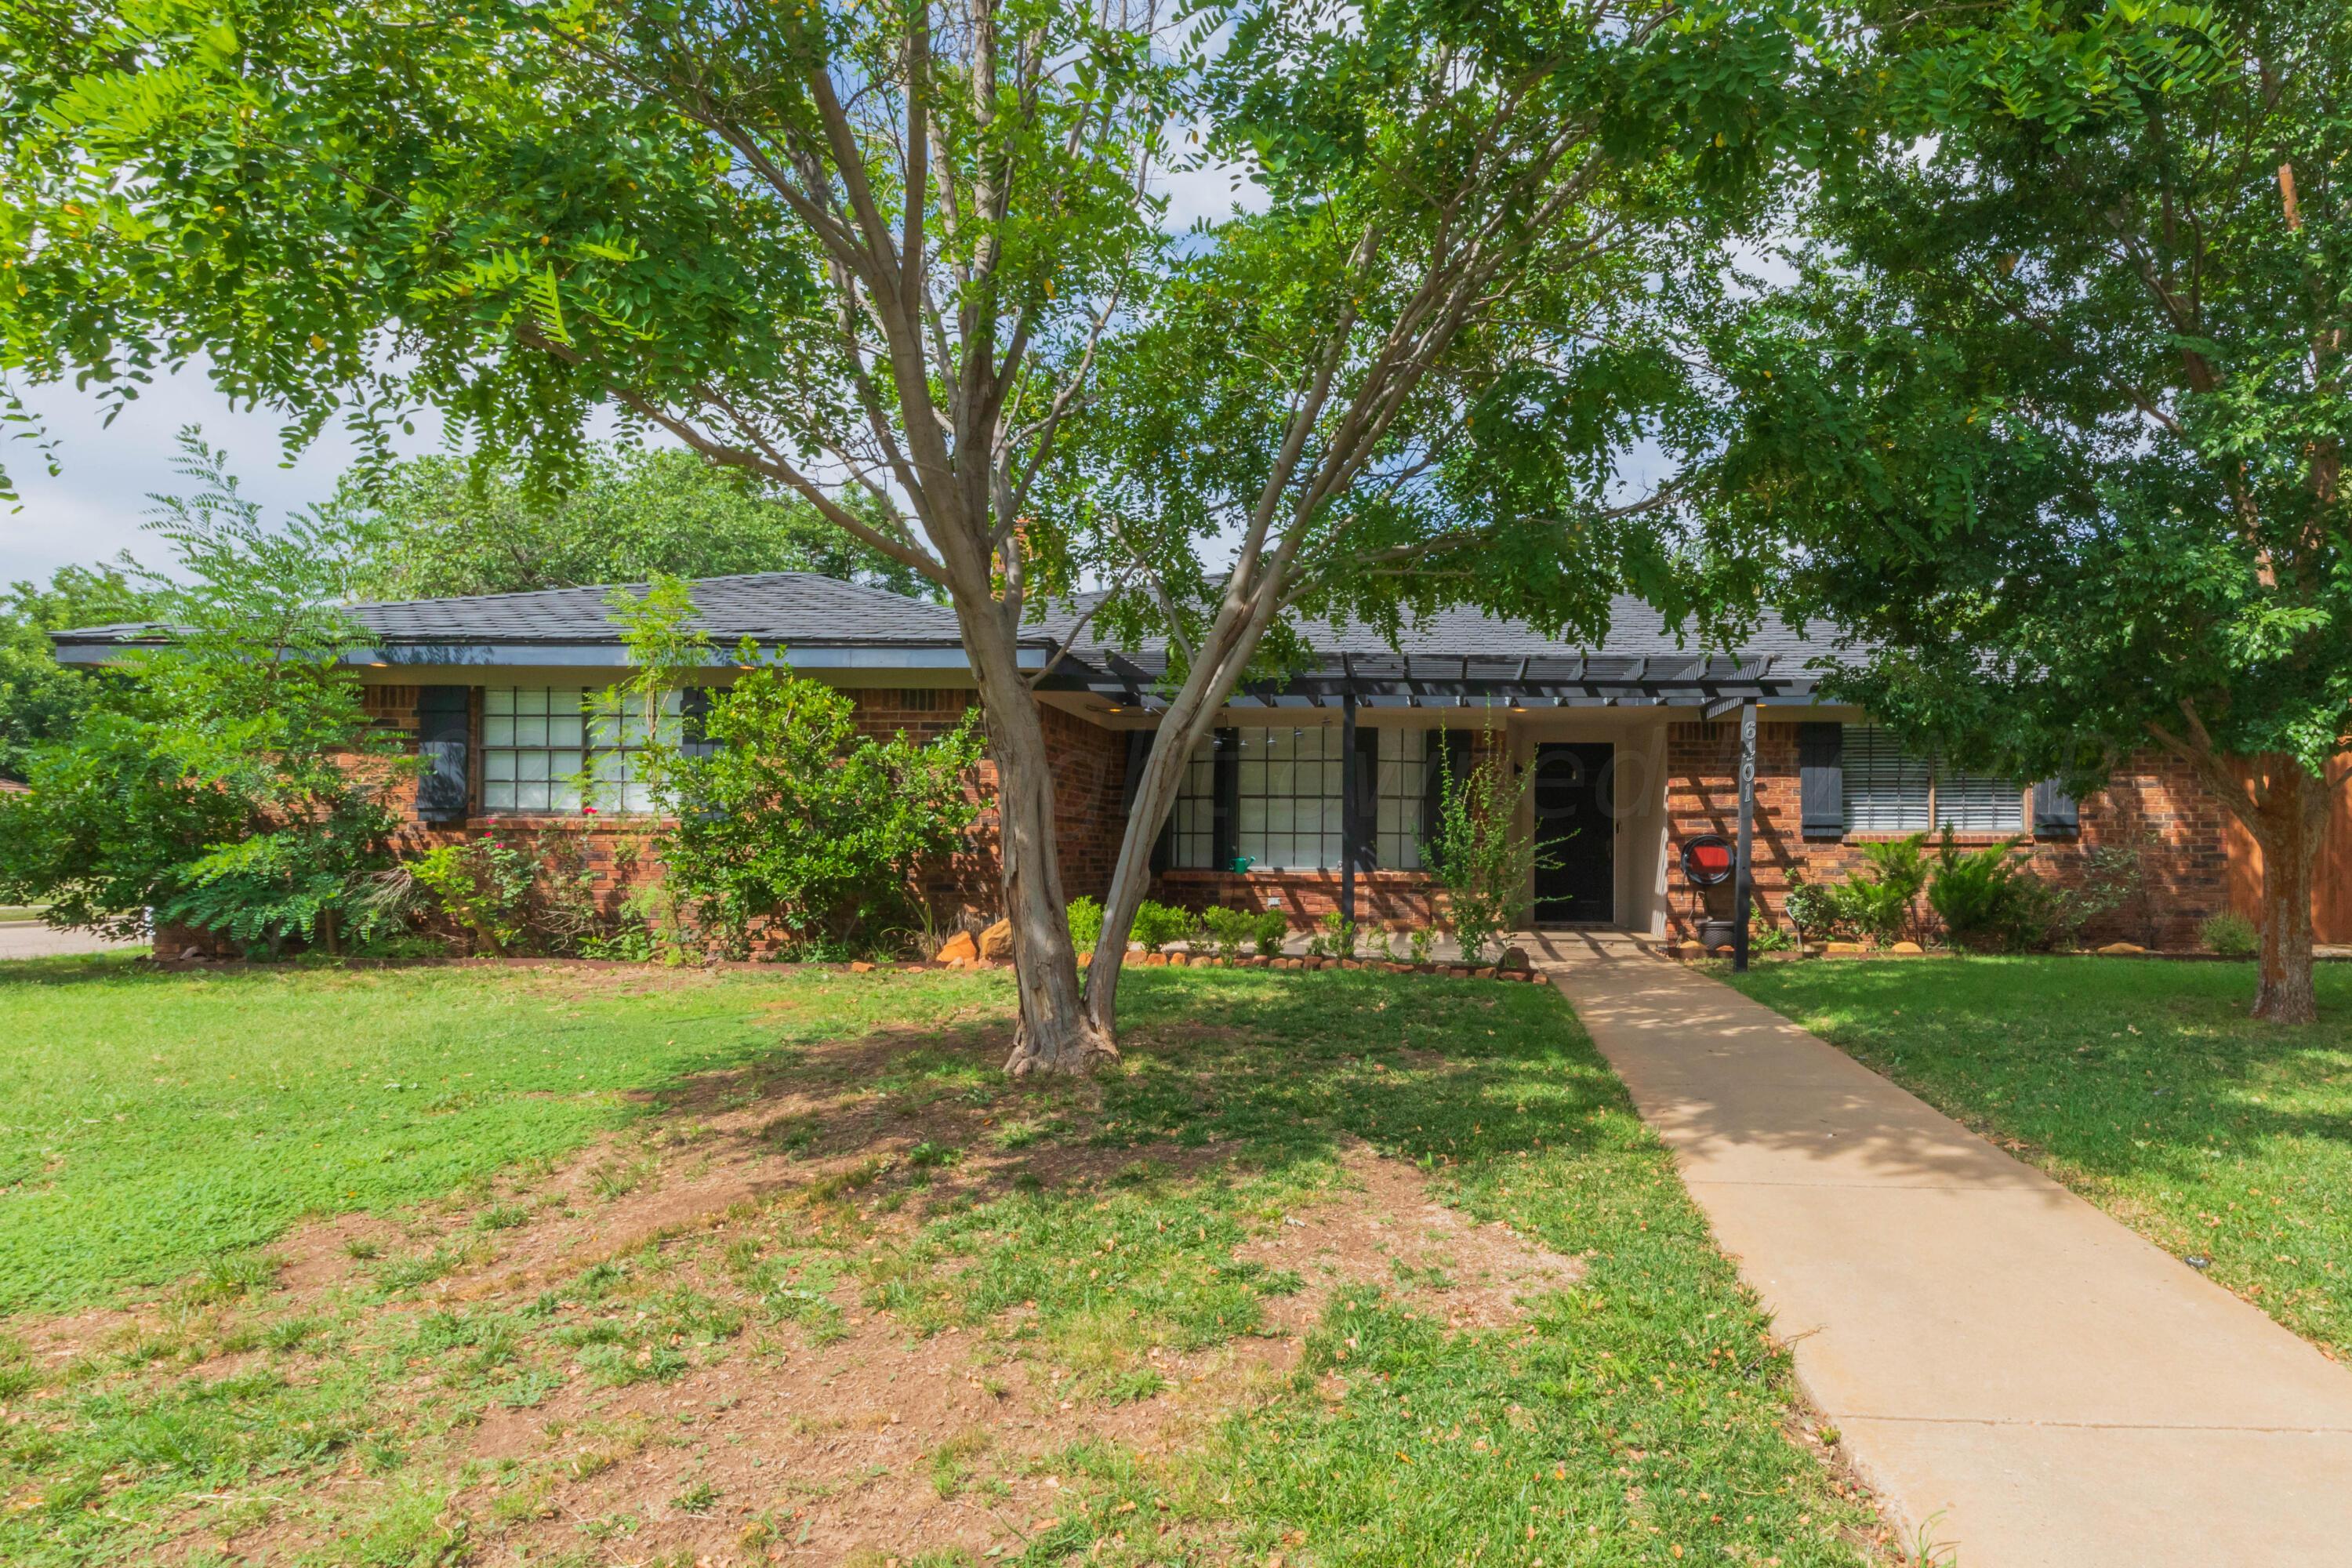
[(2055, 414), (1414, 377), (435, 527), (862, 246)]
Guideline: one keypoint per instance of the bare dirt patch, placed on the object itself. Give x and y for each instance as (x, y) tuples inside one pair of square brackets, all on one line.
[(1390, 1233)]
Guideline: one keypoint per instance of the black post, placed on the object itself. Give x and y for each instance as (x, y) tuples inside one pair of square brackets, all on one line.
[(1743, 875), (1348, 806)]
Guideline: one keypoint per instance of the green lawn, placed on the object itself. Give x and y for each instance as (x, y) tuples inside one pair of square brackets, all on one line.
[(1065, 1237), (2141, 1084), (150, 1121)]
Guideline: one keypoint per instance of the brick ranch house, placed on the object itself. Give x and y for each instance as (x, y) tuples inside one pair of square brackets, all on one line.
[(1313, 793)]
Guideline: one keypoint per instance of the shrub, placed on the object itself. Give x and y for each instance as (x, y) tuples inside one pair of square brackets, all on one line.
[(1976, 894), (1229, 930), (1273, 930), (1477, 855), (231, 780), (1335, 936), (1816, 910), (1086, 916), (1157, 925), (787, 816), (483, 884), (2230, 934)]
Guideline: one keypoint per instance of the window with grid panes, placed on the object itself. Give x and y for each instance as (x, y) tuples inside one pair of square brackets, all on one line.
[(1288, 799), (539, 741), (1890, 790), (1397, 841)]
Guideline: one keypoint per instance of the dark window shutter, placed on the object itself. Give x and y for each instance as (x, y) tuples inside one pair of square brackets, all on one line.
[(2055, 812), (1821, 779), (1226, 836), (444, 727), (1365, 809)]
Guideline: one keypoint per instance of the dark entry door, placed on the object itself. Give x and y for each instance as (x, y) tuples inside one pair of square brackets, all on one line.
[(1575, 840)]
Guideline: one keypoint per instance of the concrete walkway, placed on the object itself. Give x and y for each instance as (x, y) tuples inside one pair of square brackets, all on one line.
[(2016, 1372)]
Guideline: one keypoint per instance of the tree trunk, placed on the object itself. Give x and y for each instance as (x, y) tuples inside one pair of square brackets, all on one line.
[(1153, 798), (2287, 828), (1056, 1033)]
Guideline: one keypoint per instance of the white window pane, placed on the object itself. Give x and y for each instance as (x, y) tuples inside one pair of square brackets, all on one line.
[(564, 795), (1253, 816), (497, 732), (531, 732), (1280, 815), (499, 699), (1281, 778), (498, 796), (530, 796), (637, 797), (566, 730), (562, 765), (498, 765), (531, 765), (1976, 804)]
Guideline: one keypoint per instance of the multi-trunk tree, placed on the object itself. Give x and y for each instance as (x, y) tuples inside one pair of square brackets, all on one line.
[(852, 249), (2055, 414), (1414, 376)]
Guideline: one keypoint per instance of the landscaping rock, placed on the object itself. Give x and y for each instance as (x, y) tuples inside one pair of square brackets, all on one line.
[(1350, 963), (1484, 972), (996, 942), (2122, 949), (1691, 948), (1907, 947), (1844, 947), (960, 945), (1178, 959), (861, 968), (1459, 972), (1155, 960)]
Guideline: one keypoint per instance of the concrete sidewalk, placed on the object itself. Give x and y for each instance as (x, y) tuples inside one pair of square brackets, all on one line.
[(2016, 1372)]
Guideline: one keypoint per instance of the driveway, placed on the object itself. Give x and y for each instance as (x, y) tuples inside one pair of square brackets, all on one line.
[(31, 939)]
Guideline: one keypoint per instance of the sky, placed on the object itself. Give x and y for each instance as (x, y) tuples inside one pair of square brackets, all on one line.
[(93, 508)]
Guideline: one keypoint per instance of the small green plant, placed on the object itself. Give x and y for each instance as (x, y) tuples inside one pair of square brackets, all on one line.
[(1086, 923), (1273, 930), (2230, 934), (1764, 937), (1477, 855), (1157, 924), (1335, 936), (1229, 930), (1419, 943)]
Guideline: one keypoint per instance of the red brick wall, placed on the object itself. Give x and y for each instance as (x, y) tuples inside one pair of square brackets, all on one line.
[(1398, 900), (2153, 800)]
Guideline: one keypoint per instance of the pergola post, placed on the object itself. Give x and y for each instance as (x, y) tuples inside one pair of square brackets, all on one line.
[(1347, 804), (1743, 875)]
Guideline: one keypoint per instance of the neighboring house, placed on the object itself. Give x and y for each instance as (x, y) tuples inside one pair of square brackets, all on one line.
[(1315, 790)]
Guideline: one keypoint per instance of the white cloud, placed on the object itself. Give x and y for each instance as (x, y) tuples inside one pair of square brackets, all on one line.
[(94, 506)]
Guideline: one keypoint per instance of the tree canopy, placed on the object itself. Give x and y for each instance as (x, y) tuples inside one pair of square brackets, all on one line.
[(433, 527), (41, 700), (2053, 413)]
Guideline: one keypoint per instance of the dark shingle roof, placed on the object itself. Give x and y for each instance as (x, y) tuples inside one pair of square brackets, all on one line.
[(771, 606)]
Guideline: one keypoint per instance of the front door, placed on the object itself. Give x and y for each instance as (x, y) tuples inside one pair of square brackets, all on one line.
[(1575, 840)]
